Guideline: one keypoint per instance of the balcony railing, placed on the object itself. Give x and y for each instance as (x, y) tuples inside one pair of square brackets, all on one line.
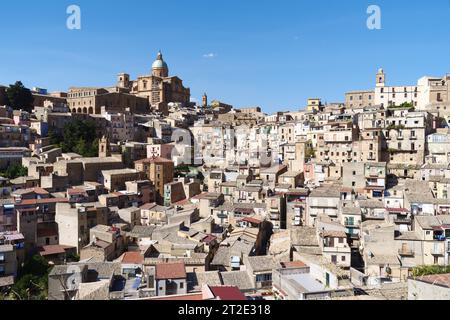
[(374, 216), (439, 237), (274, 217), (402, 220), (405, 252), (351, 225), (437, 252)]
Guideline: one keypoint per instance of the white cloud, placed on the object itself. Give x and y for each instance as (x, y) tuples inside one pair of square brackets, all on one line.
[(210, 55)]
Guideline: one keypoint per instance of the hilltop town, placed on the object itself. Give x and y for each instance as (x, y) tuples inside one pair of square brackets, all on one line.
[(133, 192)]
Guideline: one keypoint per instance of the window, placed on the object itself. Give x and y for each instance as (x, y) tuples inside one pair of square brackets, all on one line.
[(2, 257), (263, 277), (181, 285), (2, 270), (343, 259), (354, 173)]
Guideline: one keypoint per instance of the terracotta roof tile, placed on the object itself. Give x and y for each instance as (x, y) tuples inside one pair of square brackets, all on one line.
[(53, 249), (437, 279), (170, 271), (133, 257), (228, 293)]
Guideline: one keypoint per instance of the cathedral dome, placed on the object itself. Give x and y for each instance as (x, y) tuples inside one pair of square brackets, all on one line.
[(159, 62)]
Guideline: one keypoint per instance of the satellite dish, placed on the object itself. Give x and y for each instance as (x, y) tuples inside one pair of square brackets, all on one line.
[(74, 280)]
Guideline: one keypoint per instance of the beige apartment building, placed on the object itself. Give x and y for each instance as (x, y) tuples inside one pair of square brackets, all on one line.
[(115, 180), (75, 220), (337, 143), (439, 146), (406, 136), (369, 146), (158, 170), (358, 99), (86, 169), (335, 248), (428, 90), (90, 100)]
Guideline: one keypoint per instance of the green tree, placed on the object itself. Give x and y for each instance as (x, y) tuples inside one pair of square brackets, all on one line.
[(30, 287), (32, 283), (80, 137), (55, 138), (14, 171), (36, 265), (20, 97), (127, 158), (430, 270), (310, 152)]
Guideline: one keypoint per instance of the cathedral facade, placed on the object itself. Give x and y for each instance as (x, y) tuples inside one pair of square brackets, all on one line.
[(151, 92), (158, 88)]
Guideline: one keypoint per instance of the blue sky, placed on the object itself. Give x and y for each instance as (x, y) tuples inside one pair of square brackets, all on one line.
[(274, 54)]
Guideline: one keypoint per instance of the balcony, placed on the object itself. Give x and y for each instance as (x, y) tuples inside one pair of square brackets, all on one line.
[(275, 216), (405, 252), (351, 225), (439, 236), (374, 216), (438, 251), (329, 249), (402, 221)]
